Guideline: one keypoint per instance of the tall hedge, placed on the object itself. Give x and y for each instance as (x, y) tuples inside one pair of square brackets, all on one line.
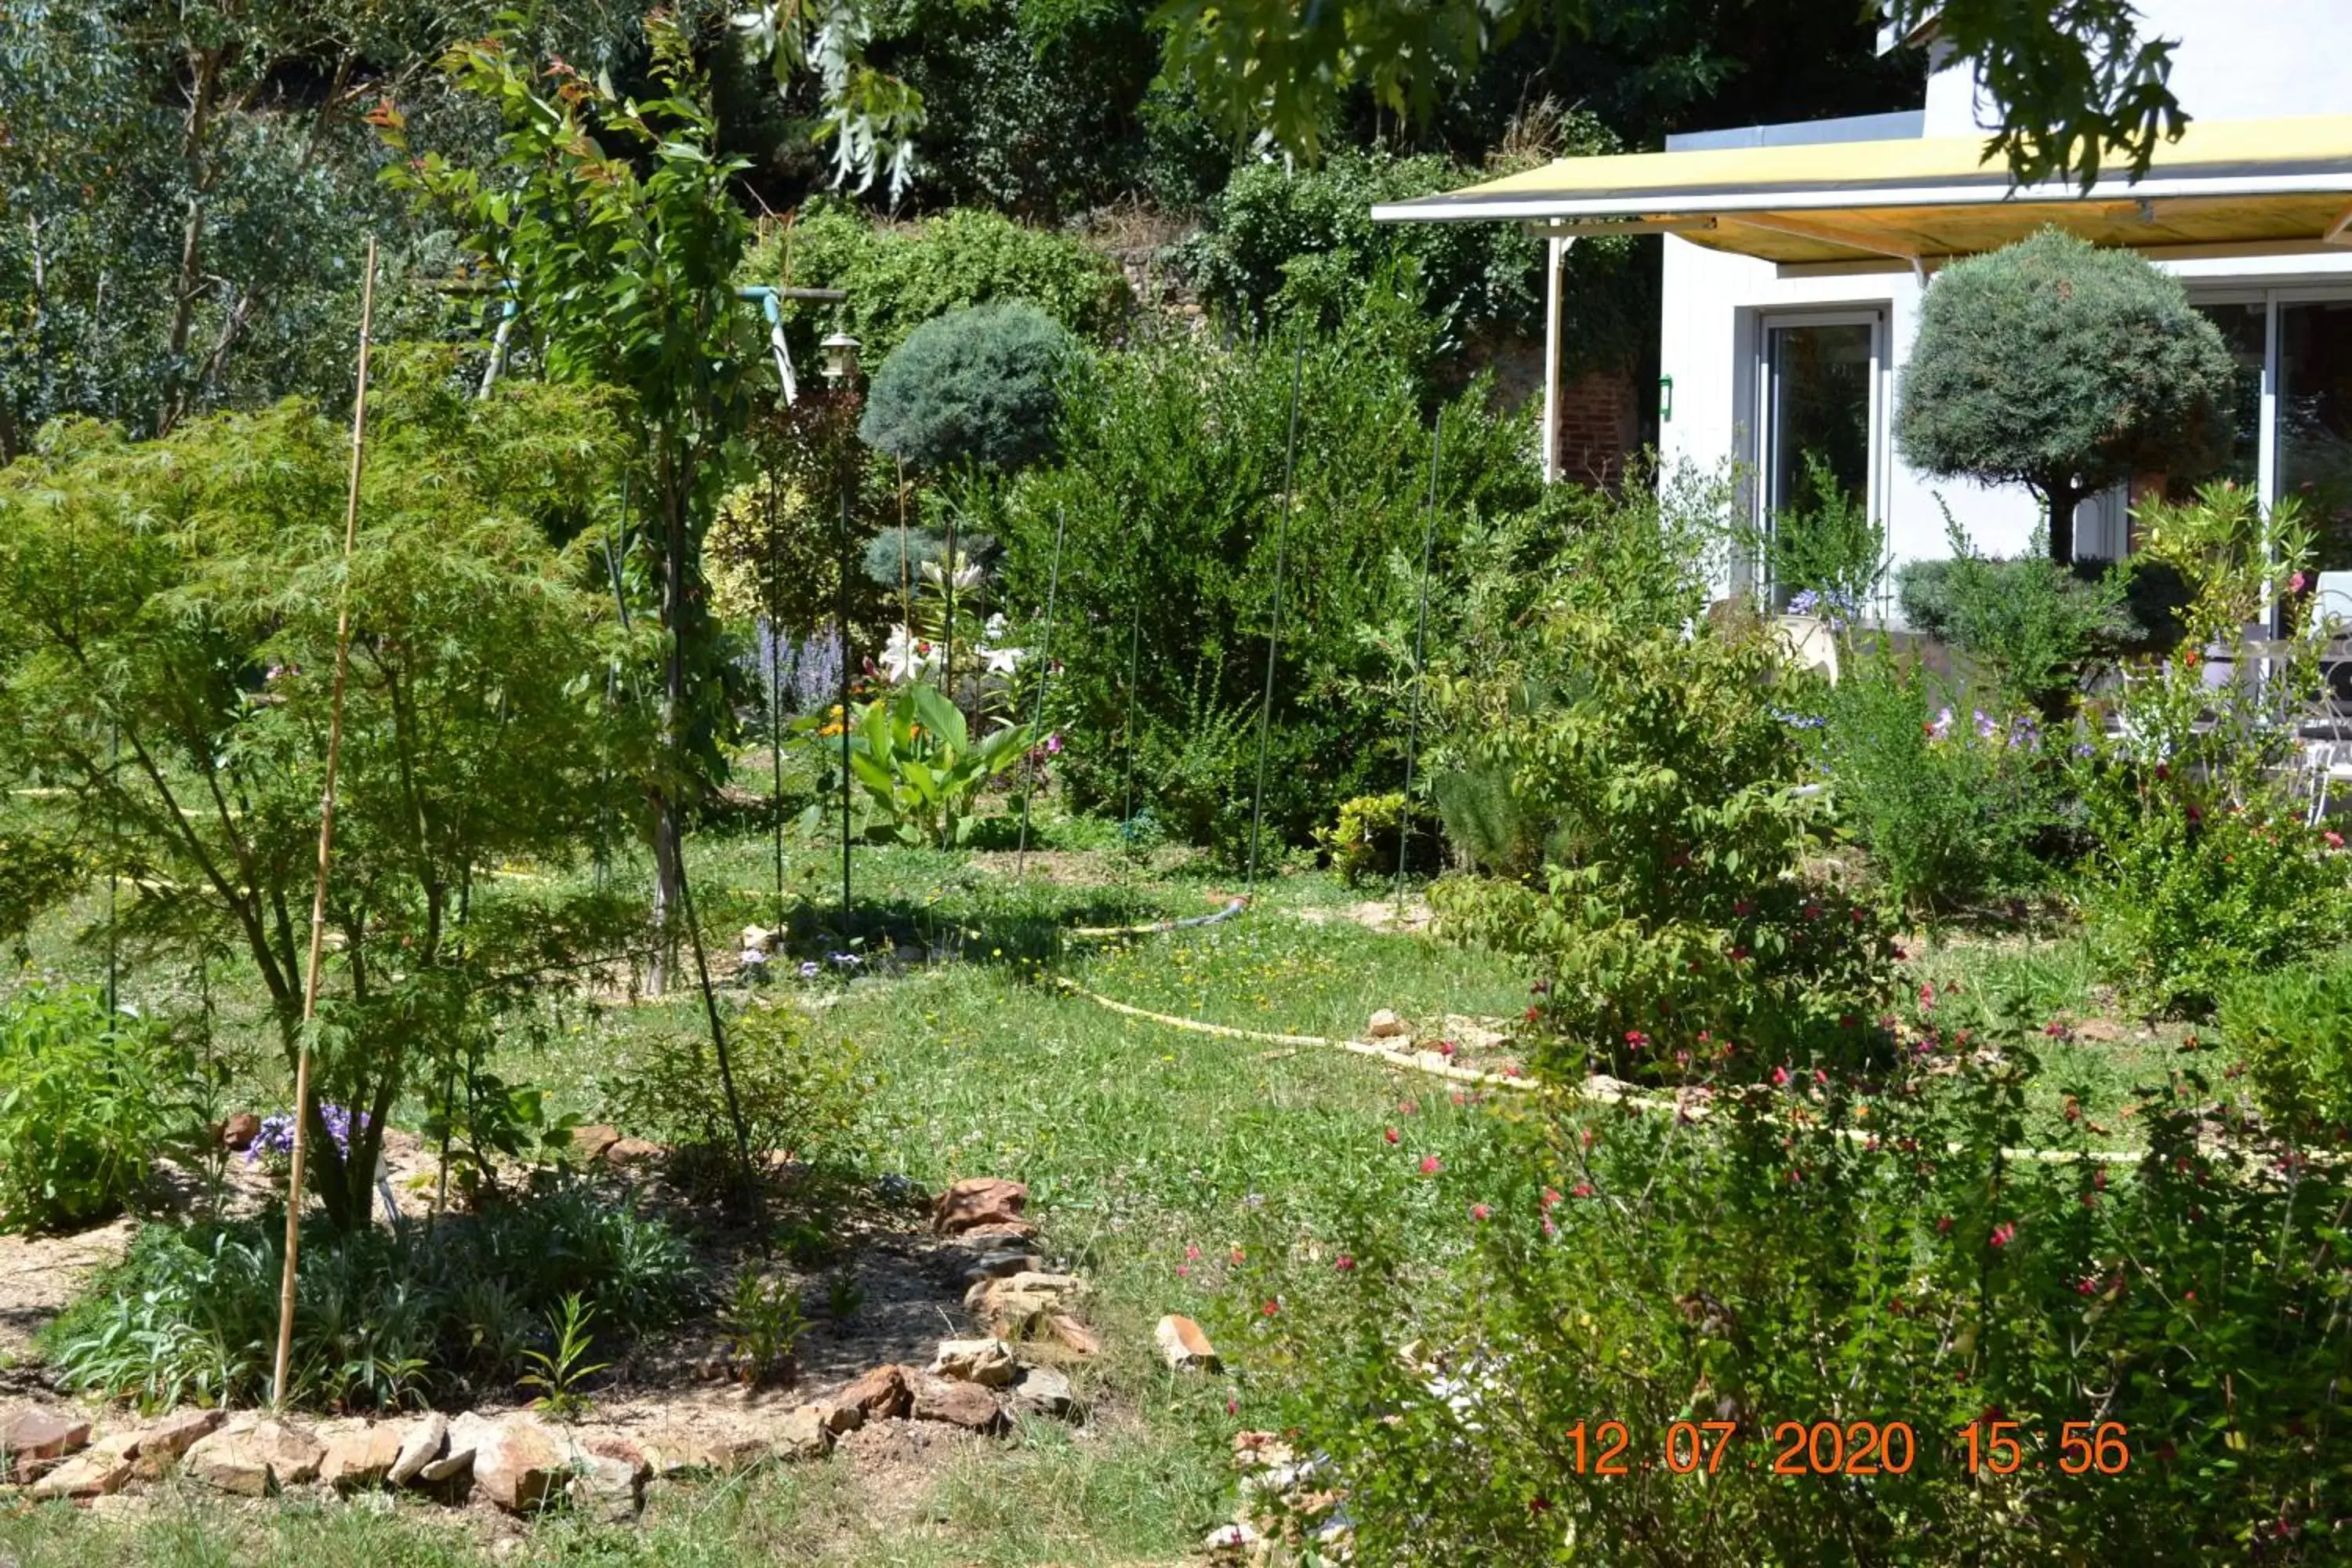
[(1170, 480)]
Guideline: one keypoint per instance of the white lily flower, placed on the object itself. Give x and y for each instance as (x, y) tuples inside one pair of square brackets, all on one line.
[(906, 657)]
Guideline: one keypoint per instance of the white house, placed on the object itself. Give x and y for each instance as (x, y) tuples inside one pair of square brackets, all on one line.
[(1796, 257)]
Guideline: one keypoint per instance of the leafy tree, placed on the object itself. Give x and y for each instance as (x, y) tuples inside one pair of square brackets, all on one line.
[(974, 389), (900, 276), (2067, 369), (167, 630), (1282, 241), (620, 267), (184, 187), (2074, 82)]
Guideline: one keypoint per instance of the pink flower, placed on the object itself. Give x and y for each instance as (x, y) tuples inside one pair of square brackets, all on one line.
[(1635, 1039), (2003, 1234), (1480, 1213), (1183, 1270), (1343, 1263), (1819, 1076), (2295, 585), (1550, 1196), (1779, 1077), (1407, 1107), (1549, 1227), (1431, 1164), (1192, 1254), (1583, 1189), (2333, 839), (1392, 1135), (1444, 1048)]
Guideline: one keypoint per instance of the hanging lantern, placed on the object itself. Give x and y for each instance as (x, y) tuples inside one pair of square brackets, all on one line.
[(840, 359)]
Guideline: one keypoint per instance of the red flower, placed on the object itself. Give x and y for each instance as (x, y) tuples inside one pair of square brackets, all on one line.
[(1944, 1225), (1583, 1189), (1635, 1039), (1550, 1196), (1779, 1077), (1272, 1308), (1343, 1263), (1480, 1213), (1193, 1254), (1533, 1014), (1237, 1254), (2002, 1233), (1743, 908), (1431, 1164), (1445, 1048), (1392, 1135), (1819, 1076)]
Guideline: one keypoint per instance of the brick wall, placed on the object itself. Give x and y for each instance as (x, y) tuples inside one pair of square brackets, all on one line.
[(1598, 419)]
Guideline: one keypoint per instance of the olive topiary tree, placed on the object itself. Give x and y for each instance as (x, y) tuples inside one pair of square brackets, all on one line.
[(2065, 368), (971, 389)]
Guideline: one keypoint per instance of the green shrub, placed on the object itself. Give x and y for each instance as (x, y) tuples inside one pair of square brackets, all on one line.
[(796, 1099), (2292, 1027), (87, 1101), (2188, 890), (381, 1319), (2065, 368), (1298, 244), (974, 388), (2031, 627), (900, 276), (1363, 844), (1169, 481), (1673, 931), (1952, 807), (2203, 869), (1842, 1253)]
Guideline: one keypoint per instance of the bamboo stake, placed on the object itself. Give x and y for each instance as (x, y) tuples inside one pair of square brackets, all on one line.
[(326, 849)]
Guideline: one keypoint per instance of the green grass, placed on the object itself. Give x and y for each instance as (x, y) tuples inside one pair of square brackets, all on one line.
[(1140, 1144)]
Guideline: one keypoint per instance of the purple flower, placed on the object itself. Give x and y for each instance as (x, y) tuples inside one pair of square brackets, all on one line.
[(1053, 745), (277, 1135), (811, 969)]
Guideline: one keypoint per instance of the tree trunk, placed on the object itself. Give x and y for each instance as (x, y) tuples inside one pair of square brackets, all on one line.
[(205, 71), (2064, 500), (668, 830)]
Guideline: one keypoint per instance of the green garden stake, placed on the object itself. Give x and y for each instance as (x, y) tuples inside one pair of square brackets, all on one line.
[(1274, 635), (1419, 640), (1044, 675), (1126, 729), (841, 623)]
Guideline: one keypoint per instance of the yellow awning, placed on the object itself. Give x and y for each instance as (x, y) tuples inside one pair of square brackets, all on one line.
[(2223, 181)]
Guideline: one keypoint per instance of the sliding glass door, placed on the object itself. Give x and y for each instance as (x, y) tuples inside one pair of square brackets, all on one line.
[(1819, 428)]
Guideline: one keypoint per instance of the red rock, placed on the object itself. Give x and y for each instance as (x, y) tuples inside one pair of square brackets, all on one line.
[(1183, 1346), (518, 1463), (33, 1438), (591, 1143), (162, 1444), (358, 1458), (238, 1132), (880, 1393), (978, 1201), (96, 1472), (964, 1405), (1075, 1335)]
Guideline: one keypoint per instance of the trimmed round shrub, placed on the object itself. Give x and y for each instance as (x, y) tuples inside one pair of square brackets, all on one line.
[(2065, 368), (974, 388)]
